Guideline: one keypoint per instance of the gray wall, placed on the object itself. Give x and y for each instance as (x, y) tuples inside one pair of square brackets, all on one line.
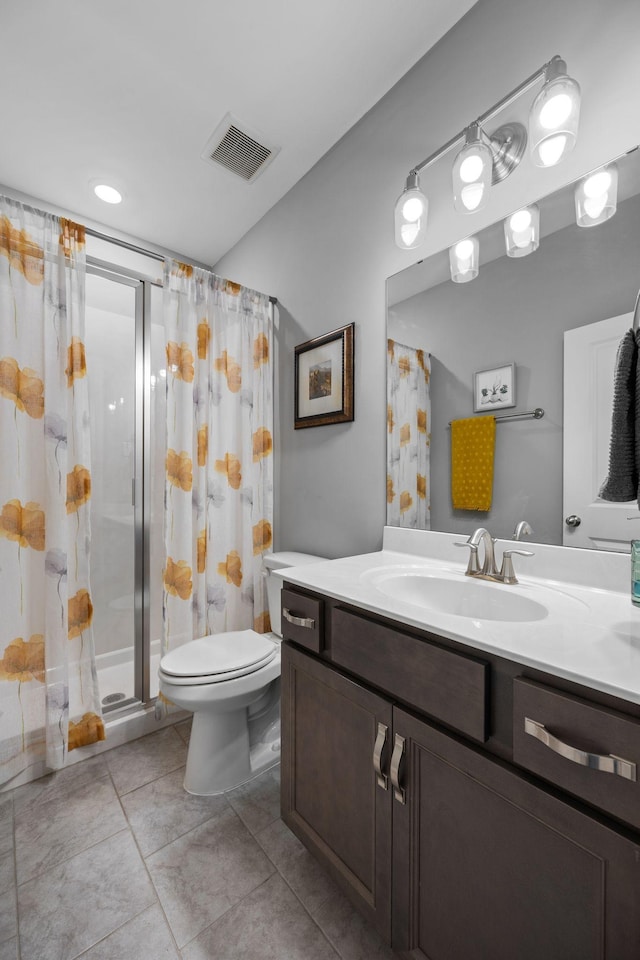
[(327, 247), (517, 310)]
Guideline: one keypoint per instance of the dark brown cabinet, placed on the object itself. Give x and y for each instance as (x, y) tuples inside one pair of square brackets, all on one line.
[(452, 850), (330, 796), (488, 866)]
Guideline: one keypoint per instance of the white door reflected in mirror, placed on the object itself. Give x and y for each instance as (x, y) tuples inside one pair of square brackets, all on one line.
[(589, 366)]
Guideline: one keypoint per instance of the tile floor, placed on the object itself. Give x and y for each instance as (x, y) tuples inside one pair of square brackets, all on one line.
[(111, 860)]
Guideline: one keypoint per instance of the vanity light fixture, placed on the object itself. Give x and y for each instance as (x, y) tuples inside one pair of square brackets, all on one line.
[(522, 231), (596, 196), (488, 158), (463, 260)]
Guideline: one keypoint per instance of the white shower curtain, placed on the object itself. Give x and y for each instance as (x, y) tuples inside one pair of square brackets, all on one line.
[(49, 700), (408, 436), (219, 464)]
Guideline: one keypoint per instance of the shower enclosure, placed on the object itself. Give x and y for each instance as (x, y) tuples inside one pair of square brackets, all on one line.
[(126, 367)]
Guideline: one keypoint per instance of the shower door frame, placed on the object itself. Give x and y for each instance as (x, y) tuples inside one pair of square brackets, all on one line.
[(141, 481)]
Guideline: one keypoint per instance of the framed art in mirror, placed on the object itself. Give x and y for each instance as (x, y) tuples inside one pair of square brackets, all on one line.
[(324, 379), (494, 388)]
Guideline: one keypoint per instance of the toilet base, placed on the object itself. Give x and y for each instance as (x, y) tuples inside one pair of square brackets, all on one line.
[(221, 755)]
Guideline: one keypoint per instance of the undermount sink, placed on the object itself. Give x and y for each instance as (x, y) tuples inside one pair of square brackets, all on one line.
[(461, 597)]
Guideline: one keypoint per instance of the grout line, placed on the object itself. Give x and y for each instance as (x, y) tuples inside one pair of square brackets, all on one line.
[(78, 853), (163, 774), (147, 871), (229, 909), (79, 956), (66, 859), (333, 946), (302, 904)]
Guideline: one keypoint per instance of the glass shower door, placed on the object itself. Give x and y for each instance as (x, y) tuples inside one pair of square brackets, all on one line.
[(113, 307)]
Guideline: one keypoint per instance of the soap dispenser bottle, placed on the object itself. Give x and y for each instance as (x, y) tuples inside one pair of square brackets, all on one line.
[(635, 572), (635, 569)]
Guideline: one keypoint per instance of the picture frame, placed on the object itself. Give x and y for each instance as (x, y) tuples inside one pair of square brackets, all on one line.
[(324, 379), (494, 388)]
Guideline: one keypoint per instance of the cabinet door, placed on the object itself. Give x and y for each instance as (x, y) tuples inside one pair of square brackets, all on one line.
[(331, 798), (488, 866)]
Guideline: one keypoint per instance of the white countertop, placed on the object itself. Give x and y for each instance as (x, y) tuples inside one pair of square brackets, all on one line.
[(590, 633)]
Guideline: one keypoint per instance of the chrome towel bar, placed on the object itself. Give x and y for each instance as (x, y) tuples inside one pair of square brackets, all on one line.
[(536, 414)]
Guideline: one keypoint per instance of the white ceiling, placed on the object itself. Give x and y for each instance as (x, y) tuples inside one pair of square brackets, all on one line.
[(129, 91)]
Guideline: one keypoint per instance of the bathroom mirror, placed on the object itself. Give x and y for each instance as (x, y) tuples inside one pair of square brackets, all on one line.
[(514, 312)]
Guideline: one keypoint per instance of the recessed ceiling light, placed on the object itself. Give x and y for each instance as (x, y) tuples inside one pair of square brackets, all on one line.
[(107, 193)]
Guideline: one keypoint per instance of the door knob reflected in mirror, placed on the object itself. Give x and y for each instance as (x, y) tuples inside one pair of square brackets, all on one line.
[(573, 521)]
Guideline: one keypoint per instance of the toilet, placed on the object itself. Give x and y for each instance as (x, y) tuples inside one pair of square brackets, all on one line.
[(231, 683)]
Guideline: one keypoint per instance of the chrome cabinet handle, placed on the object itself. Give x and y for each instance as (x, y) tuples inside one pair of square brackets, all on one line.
[(394, 769), (298, 621), (595, 761), (381, 739)]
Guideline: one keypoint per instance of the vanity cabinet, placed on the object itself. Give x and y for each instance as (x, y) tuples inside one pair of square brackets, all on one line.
[(490, 866), (450, 846), (329, 795)]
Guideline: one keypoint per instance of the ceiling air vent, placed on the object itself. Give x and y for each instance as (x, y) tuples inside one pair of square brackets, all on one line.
[(239, 149)]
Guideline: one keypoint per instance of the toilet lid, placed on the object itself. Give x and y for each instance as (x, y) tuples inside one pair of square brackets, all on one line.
[(224, 655)]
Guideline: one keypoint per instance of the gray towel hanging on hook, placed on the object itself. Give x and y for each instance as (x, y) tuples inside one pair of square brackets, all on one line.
[(624, 452)]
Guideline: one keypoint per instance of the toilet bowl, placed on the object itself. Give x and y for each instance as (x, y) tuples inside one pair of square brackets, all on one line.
[(231, 683)]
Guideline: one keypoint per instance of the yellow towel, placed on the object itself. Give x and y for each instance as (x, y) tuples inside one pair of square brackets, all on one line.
[(472, 448)]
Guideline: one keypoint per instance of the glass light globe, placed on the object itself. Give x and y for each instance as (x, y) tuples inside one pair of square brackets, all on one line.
[(472, 171), (554, 115), (596, 197), (463, 260), (522, 231), (410, 215)]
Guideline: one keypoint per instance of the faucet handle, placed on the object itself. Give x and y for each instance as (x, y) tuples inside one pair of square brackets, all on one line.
[(473, 566), (507, 573)]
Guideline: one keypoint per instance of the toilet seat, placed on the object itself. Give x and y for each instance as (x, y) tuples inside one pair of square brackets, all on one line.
[(218, 657)]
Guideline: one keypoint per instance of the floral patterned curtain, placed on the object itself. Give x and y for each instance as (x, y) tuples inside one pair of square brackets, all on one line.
[(408, 437), (49, 701), (219, 465)]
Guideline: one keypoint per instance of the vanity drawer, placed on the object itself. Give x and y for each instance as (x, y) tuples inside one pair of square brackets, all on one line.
[(588, 750), (447, 686), (302, 620)]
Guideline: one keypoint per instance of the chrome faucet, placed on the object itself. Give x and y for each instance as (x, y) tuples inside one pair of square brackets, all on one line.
[(488, 570)]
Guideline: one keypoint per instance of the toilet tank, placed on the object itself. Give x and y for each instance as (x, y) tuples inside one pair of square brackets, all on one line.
[(278, 561)]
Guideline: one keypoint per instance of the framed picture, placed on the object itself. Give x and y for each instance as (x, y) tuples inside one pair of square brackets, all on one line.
[(324, 379), (494, 388)]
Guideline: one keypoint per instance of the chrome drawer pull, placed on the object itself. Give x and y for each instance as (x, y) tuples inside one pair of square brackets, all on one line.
[(608, 764), (394, 770), (381, 739), (298, 621)]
